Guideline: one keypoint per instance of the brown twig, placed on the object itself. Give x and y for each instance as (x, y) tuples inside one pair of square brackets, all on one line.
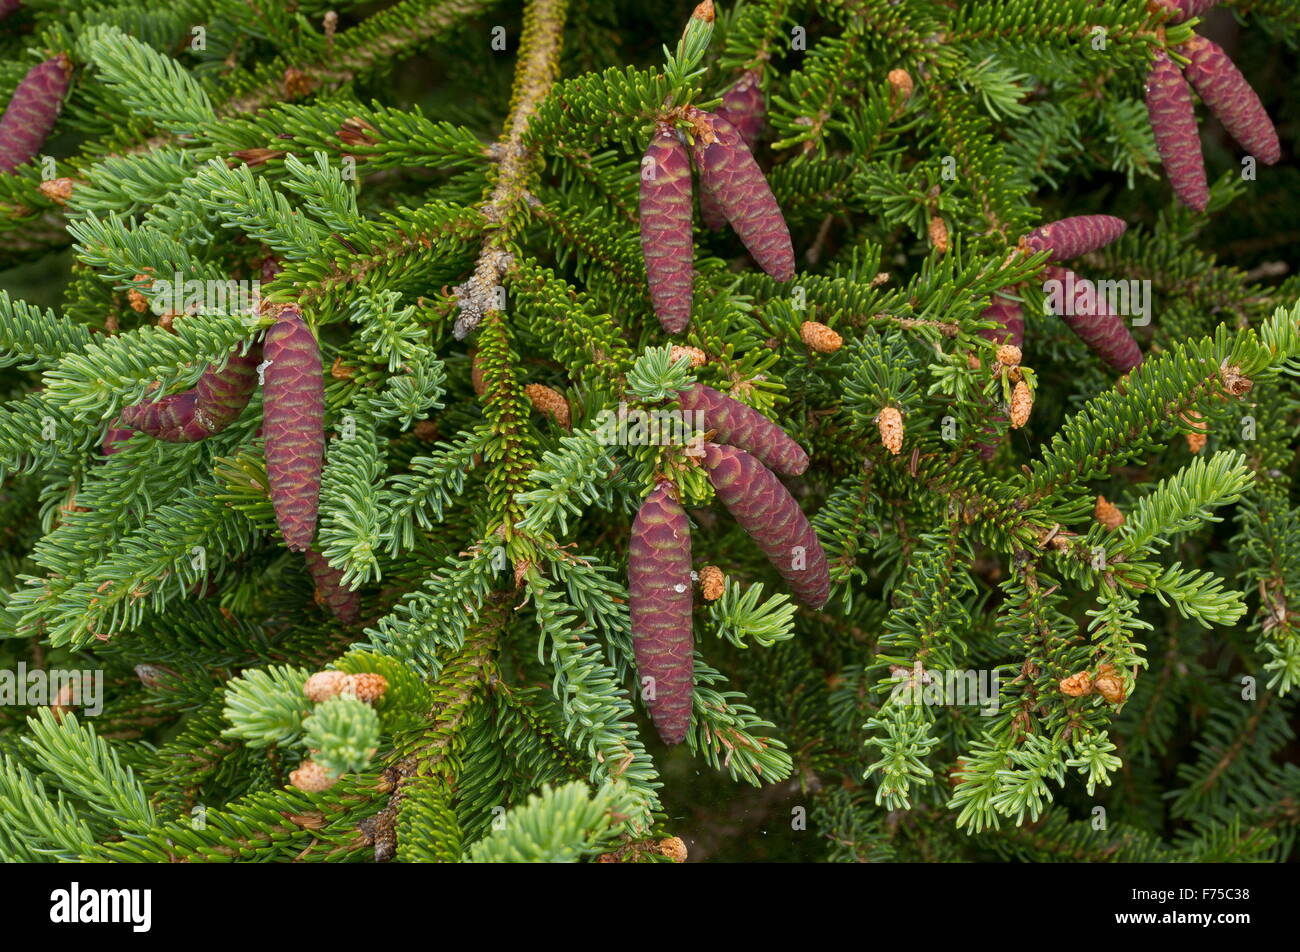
[(534, 76)]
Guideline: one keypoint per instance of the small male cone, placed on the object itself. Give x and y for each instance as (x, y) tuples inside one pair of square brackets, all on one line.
[(57, 190), (1173, 120), (550, 402), (735, 424), (660, 598), (712, 583), (1077, 685), (311, 777), (694, 356), (1109, 684), (1196, 439), (820, 338), (666, 228), (938, 229), (1022, 401), (1078, 235), (742, 106), (890, 424), (1107, 513), (766, 510), (293, 422), (728, 169), (1103, 332), (1010, 329), (343, 603), (29, 118), (205, 409), (1227, 94)]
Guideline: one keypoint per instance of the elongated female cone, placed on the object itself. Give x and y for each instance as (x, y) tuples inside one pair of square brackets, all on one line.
[(1088, 314), (344, 604), (1071, 237), (728, 169), (710, 210), (223, 394), (744, 107), (204, 410), (115, 436), (660, 590), (293, 422), (271, 268), (31, 113), (666, 228), (735, 424), (1173, 120), (1223, 88), (1010, 319), (170, 419), (766, 510)]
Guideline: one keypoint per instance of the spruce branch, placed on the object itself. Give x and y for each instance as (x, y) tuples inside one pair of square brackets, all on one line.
[(37, 828), (391, 36), (504, 207), (88, 768), (559, 825), (429, 753)]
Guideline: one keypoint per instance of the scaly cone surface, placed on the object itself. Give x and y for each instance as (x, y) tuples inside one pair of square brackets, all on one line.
[(735, 424), (660, 596), (729, 171), (744, 107), (1227, 94), (343, 603), (293, 422), (1071, 237), (29, 118), (1089, 316), (666, 228), (207, 408), (766, 510), (1186, 9), (1010, 318), (1173, 120), (114, 436)]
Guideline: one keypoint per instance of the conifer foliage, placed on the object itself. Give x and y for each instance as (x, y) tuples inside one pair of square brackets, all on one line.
[(376, 403)]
